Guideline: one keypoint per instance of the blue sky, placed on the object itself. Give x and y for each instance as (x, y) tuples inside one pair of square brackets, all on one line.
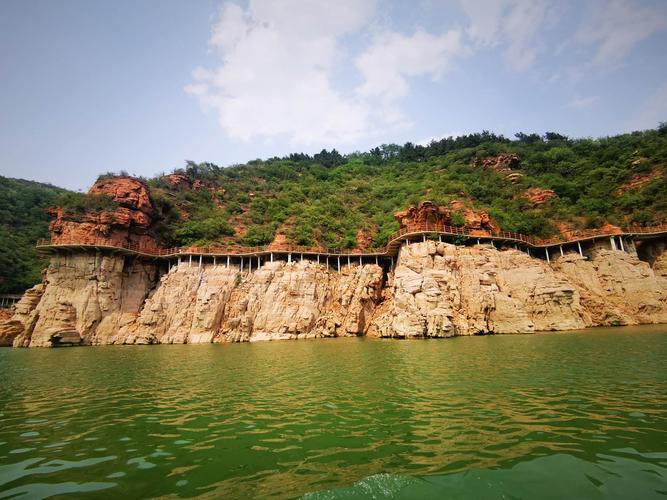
[(89, 86)]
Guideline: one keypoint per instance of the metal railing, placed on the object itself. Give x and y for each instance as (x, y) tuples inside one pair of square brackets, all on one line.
[(393, 240)]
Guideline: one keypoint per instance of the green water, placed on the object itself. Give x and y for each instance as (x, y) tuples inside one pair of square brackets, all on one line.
[(578, 415)]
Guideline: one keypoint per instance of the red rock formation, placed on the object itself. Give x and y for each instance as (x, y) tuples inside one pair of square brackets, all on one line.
[(129, 223), (126, 191), (538, 196), (503, 164), (608, 228), (639, 181), (478, 221), (279, 242), (566, 230), (178, 180), (364, 240), (426, 212)]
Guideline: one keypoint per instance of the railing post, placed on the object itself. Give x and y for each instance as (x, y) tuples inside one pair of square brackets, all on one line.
[(228, 261), (190, 261)]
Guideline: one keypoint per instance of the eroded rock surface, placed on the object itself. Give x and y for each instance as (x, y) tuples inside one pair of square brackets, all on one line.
[(538, 196), (24, 317), (442, 290), (616, 288), (279, 301), (435, 290), (128, 223), (479, 222), (86, 298)]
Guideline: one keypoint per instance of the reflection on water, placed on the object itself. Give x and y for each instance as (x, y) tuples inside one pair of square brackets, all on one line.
[(567, 414)]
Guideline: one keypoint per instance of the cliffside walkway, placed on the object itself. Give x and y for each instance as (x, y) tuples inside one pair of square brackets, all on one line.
[(7, 300), (618, 239)]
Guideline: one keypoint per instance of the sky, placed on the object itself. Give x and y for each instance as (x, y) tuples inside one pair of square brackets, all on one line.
[(91, 86)]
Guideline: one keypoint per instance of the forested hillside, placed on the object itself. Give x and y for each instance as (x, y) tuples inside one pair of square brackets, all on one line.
[(327, 198), (537, 185), (23, 220)]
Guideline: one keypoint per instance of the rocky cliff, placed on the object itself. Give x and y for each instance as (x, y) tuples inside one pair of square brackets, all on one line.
[(86, 298), (435, 290), (128, 219), (442, 290)]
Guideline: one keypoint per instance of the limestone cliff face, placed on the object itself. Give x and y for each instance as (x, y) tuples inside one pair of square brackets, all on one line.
[(278, 301), (655, 253), (24, 317), (442, 290), (435, 290), (616, 288), (85, 299), (90, 299)]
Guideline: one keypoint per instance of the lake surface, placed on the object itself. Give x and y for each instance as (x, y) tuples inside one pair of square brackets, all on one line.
[(556, 415)]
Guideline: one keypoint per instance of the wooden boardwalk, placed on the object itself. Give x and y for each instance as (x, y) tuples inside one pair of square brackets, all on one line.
[(619, 239), (7, 300)]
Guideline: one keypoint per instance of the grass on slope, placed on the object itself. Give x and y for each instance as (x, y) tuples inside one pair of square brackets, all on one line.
[(327, 198)]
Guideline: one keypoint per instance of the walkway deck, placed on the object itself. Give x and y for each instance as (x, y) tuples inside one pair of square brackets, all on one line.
[(423, 232), (7, 300)]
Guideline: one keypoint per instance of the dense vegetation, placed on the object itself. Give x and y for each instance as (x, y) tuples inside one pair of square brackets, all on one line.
[(328, 197), (23, 220)]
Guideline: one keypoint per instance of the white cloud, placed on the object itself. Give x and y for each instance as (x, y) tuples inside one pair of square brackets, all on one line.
[(393, 57), (275, 71), (614, 27), (514, 25), (278, 62), (580, 102)]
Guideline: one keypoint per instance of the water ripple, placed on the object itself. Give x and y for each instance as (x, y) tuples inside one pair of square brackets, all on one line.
[(282, 419)]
